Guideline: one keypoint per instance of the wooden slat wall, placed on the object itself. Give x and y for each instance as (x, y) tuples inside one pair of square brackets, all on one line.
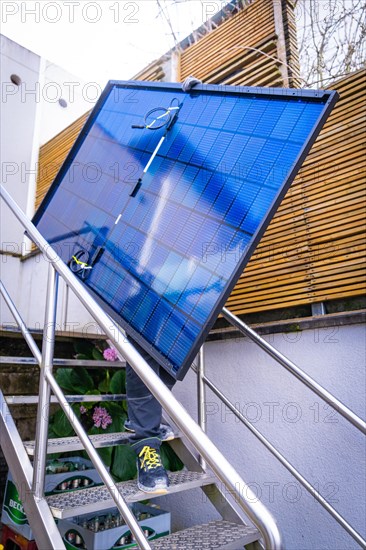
[(225, 56), (53, 153), (218, 57), (292, 53), (314, 248), (153, 72)]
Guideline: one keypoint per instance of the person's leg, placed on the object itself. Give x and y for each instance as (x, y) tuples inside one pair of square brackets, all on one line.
[(145, 414)]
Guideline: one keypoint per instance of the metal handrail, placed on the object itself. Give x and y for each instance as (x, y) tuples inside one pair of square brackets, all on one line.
[(253, 508), (296, 371), (26, 333), (41, 448), (310, 488)]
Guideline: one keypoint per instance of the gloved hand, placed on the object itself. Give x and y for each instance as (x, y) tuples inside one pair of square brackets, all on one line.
[(189, 82)]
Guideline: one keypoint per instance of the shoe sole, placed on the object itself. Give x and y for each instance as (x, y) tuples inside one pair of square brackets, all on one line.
[(150, 491), (169, 438)]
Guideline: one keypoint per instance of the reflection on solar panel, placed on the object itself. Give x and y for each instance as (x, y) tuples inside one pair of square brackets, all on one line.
[(165, 195)]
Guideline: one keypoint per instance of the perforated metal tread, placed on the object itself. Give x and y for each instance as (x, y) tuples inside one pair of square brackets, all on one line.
[(67, 444), (216, 534), (83, 501)]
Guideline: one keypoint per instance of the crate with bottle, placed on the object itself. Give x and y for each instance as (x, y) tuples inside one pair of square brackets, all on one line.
[(63, 474), (107, 530)]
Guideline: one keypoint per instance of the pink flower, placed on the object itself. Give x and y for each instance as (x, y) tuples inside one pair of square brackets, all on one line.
[(110, 354), (101, 418), (83, 409)]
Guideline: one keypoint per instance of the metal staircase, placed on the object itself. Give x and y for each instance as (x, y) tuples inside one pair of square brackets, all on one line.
[(231, 533), (218, 534), (245, 521)]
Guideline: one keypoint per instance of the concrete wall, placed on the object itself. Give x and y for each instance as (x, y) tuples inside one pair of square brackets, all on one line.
[(328, 451)]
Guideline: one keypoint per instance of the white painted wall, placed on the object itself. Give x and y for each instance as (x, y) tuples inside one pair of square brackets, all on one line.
[(79, 95), (26, 283), (328, 451), (17, 130), (30, 115)]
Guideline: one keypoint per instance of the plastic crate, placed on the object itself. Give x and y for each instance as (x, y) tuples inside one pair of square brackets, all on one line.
[(13, 513), (88, 531)]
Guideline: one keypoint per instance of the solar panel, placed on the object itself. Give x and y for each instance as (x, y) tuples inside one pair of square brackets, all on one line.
[(165, 195)]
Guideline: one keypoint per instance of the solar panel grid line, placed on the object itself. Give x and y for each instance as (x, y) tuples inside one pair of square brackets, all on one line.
[(109, 280), (208, 186)]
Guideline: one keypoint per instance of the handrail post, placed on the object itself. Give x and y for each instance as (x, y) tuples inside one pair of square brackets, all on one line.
[(201, 397), (65, 307), (48, 344)]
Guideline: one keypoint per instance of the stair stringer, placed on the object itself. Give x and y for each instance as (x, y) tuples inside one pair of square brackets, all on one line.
[(37, 510)]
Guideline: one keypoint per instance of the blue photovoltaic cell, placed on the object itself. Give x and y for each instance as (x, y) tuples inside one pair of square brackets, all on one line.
[(164, 260)]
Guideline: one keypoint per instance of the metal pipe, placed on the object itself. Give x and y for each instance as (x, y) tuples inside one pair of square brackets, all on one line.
[(48, 344), (99, 465), (38, 478), (201, 397), (65, 308), (357, 537), (255, 510), (26, 334), (296, 371)]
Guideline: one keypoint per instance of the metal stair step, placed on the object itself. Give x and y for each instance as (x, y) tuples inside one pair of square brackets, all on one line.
[(84, 501), (67, 363), (92, 398), (68, 444), (215, 534)]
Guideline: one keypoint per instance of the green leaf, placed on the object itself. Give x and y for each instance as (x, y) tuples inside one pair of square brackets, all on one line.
[(60, 424), (63, 378), (124, 463), (97, 355), (117, 414), (169, 459), (81, 379), (104, 385), (51, 432), (105, 454), (118, 382), (84, 347), (76, 380)]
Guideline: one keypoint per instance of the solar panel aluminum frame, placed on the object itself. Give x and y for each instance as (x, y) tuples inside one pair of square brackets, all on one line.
[(326, 97)]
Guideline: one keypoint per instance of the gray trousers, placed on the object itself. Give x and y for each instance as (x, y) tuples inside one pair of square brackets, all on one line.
[(144, 411)]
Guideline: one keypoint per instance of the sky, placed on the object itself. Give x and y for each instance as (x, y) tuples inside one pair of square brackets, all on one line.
[(102, 40)]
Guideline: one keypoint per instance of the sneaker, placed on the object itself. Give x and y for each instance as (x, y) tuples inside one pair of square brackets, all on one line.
[(166, 432), (152, 477)]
